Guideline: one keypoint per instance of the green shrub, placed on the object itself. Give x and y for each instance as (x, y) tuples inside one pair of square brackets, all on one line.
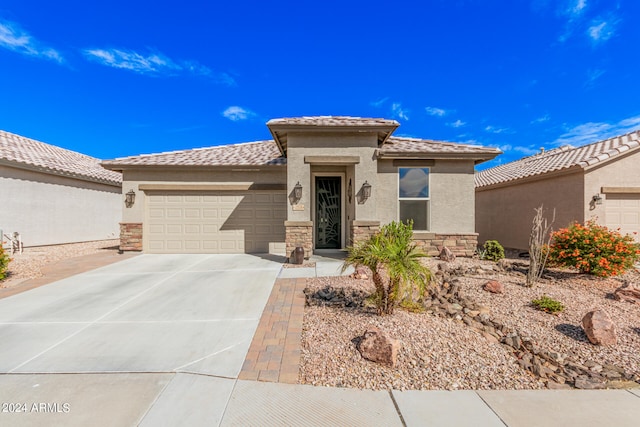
[(593, 249), (545, 303), (492, 250), (4, 263), (394, 261)]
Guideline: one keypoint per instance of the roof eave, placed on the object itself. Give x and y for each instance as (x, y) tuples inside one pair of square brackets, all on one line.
[(41, 169), (477, 157), (120, 167), (532, 178)]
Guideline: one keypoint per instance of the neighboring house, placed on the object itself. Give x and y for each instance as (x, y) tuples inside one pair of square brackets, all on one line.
[(321, 183), (598, 181), (51, 195)]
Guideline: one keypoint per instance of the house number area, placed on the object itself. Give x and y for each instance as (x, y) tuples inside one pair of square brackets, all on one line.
[(47, 408)]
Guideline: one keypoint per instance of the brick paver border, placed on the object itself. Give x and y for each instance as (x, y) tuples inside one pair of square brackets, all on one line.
[(274, 354)]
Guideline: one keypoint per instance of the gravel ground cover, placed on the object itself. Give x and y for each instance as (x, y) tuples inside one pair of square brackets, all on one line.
[(442, 353), (29, 264)]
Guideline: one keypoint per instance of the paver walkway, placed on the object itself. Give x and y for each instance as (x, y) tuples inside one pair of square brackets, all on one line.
[(274, 354)]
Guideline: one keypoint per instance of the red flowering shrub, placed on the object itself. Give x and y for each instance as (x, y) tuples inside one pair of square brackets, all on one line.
[(594, 249)]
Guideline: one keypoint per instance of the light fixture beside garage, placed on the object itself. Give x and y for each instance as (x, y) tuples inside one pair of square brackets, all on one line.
[(130, 198), (597, 199)]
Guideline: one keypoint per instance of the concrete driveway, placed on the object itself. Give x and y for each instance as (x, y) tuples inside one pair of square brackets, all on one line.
[(109, 342)]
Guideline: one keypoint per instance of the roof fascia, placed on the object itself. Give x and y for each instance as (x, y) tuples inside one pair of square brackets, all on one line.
[(122, 167), (566, 171), (41, 169)]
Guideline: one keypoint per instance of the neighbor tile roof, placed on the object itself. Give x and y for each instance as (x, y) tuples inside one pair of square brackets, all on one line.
[(260, 153), (332, 121), (398, 145), (558, 159), (49, 158)]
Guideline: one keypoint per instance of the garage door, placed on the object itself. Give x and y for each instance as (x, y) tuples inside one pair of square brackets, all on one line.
[(224, 222), (623, 211)]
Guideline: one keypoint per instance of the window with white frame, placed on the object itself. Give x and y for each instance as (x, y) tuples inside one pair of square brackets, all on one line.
[(413, 194)]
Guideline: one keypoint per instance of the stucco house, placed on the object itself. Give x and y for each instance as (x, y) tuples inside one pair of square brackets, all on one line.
[(320, 183), (598, 181), (51, 195)]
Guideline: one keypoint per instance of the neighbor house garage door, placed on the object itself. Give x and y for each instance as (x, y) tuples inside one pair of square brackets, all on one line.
[(623, 211), (224, 222)]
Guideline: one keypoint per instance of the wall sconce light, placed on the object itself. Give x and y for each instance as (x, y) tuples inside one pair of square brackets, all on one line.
[(596, 199), (296, 194), (130, 198), (297, 191), (350, 191), (364, 193)]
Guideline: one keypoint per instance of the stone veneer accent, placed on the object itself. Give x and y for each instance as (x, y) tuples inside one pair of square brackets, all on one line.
[(298, 233), (362, 230), (130, 236), (460, 244)]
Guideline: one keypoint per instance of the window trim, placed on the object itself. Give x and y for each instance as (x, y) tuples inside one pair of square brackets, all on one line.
[(427, 199)]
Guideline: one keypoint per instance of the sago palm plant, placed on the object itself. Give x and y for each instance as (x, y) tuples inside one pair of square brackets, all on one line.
[(394, 261)]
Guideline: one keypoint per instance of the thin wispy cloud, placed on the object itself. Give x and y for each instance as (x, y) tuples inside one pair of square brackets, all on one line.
[(524, 150), (379, 102), (578, 7), (14, 38), (497, 130), (435, 111), (602, 30), (592, 76), (587, 133), (542, 119), (399, 112), (457, 124), (236, 113), (152, 63)]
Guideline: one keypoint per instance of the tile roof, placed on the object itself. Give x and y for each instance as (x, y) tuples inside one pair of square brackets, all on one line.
[(398, 146), (33, 154), (259, 153), (558, 159), (332, 121)]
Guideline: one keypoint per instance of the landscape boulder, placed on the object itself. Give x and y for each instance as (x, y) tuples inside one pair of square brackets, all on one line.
[(599, 328), (447, 255), (378, 347), (494, 286), (628, 292)]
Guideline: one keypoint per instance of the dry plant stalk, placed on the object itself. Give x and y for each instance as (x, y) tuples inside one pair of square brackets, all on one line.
[(539, 239)]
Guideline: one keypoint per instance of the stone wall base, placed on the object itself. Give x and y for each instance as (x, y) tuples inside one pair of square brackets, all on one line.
[(298, 233), (362, 230), (130, 236), (460, 244)]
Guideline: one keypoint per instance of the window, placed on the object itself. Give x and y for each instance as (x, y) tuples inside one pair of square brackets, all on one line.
[(413, 192)]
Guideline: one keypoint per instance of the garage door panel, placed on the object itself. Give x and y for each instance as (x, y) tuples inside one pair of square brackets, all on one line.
[(623, 212), (215, 222)]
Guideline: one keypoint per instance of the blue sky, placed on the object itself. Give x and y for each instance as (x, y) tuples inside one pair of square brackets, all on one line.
[(119, 78)]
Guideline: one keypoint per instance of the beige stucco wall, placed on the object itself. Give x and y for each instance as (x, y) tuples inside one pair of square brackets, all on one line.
[(334, 144), (451, 188), (624, 171), (49, 209), (133, 178), (506, 213)]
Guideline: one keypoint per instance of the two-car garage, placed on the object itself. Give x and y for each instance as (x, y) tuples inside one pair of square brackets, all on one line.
[(223, 222)]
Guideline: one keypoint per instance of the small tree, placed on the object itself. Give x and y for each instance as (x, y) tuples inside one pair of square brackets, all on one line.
[(539, 246), (394, 261)]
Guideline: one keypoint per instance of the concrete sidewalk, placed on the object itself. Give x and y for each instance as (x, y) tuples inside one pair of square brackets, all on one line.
[(171, 399)]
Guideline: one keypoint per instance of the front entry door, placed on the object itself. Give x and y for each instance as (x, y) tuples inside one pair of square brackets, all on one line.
[(328, 212)]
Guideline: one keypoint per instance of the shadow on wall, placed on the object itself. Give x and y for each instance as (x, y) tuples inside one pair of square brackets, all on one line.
[(258, 220)]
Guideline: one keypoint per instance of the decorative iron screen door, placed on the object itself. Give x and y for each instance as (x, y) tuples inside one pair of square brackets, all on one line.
[(328, 212)]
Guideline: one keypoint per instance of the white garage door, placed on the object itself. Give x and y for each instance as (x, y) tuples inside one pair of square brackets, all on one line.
[(223, 222), (623, 211)]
